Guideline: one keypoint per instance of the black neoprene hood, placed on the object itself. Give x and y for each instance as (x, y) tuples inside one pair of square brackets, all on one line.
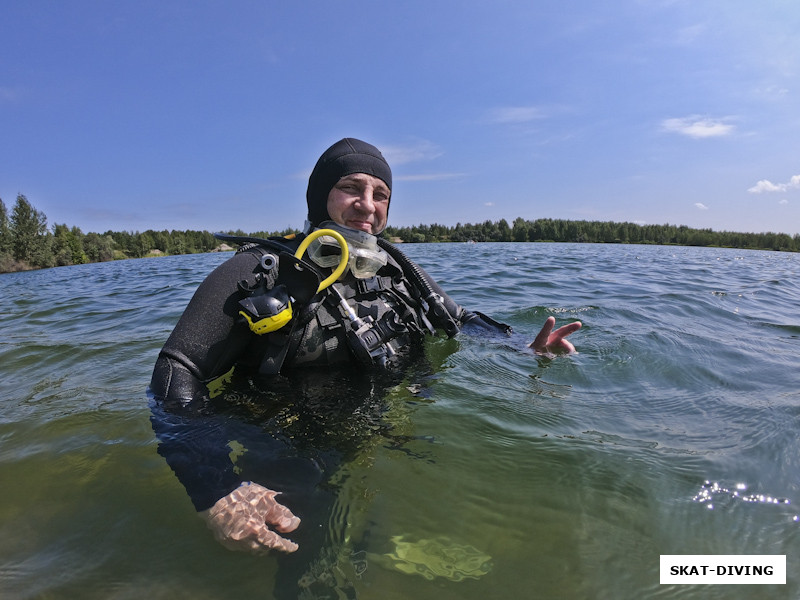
[(345, 157)]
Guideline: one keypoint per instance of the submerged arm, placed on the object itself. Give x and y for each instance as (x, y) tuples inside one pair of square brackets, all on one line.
[(206, 343), (195, 440)]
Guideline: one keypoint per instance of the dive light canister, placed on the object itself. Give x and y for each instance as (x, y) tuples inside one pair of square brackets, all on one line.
[(267, 312)]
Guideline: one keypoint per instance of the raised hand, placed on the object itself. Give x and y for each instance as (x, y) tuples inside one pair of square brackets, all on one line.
[(549, 341)]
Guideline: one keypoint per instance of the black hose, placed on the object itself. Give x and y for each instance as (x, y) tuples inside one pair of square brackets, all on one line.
[(414, 272), (440, 312)]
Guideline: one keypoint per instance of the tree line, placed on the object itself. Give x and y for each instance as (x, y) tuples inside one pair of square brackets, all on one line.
[(27, 242), (597, 232)]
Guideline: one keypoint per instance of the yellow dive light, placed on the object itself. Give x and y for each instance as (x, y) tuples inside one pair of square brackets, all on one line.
[(268, 324), (280, 303)]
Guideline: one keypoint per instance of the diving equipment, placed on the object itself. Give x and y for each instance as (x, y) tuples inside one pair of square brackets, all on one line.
[(369, 339), (366, 257), (281, 283), (373, 317), (268, 309), (438, 310)]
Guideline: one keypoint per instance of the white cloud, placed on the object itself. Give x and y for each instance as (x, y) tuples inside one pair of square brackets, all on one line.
[(698, 127), (429, 176), (773, 91), (783, 201), (767, 186), (689, 34), (516, 114), (411, 152), (700, 206), (489, 204)]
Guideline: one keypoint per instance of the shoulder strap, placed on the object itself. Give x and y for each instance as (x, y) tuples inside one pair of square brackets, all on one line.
[(441, 309)]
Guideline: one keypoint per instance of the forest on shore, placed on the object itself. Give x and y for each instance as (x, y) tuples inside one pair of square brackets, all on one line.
[(27, 242)]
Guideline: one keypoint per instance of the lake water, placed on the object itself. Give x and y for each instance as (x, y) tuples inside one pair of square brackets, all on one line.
[(493, 473)]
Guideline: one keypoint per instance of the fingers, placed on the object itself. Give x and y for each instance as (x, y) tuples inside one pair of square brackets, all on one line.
[(242, 519), (566, 330), (549, 340), (566, 346), (273, 512), (270, 539), (282, 518), (257, 539), (540, 343), (248, 534)]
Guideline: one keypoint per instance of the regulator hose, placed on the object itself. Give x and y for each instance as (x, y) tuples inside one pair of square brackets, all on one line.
[(437, 306)]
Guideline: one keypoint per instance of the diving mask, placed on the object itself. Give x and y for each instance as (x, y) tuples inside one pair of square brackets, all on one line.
[(366, 257)]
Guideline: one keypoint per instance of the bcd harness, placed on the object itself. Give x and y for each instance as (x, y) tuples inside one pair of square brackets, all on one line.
[(285, 304)]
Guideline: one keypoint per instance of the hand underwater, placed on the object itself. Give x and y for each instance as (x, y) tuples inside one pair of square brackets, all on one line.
[(549, 341), (242, 519)]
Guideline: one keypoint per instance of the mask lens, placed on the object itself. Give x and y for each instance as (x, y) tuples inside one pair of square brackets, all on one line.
[(324, 251), (366, 257), (365, 264)]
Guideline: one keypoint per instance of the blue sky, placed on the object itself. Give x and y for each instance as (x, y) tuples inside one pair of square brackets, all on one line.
[(210, 114)]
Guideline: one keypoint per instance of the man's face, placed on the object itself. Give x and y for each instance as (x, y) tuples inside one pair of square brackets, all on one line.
[(360, 201)]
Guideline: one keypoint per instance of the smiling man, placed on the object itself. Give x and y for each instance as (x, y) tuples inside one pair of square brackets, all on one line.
[(375, 314), (360, 201), (351, 181)]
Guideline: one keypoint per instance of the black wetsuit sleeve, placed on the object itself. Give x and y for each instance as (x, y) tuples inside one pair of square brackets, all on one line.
[(483, 322), (206, 343), (465, 319), (207, 340), (195, 446)]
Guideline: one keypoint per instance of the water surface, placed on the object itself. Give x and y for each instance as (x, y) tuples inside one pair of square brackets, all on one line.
[(493, 473)]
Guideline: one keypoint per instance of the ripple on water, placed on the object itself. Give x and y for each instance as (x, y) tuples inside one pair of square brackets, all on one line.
[(573, 473)]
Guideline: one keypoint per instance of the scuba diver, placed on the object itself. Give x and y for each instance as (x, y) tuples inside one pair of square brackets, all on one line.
[(335, 297)]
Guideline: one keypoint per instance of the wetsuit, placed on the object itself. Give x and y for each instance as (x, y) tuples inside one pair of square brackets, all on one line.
[(211, 337)]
